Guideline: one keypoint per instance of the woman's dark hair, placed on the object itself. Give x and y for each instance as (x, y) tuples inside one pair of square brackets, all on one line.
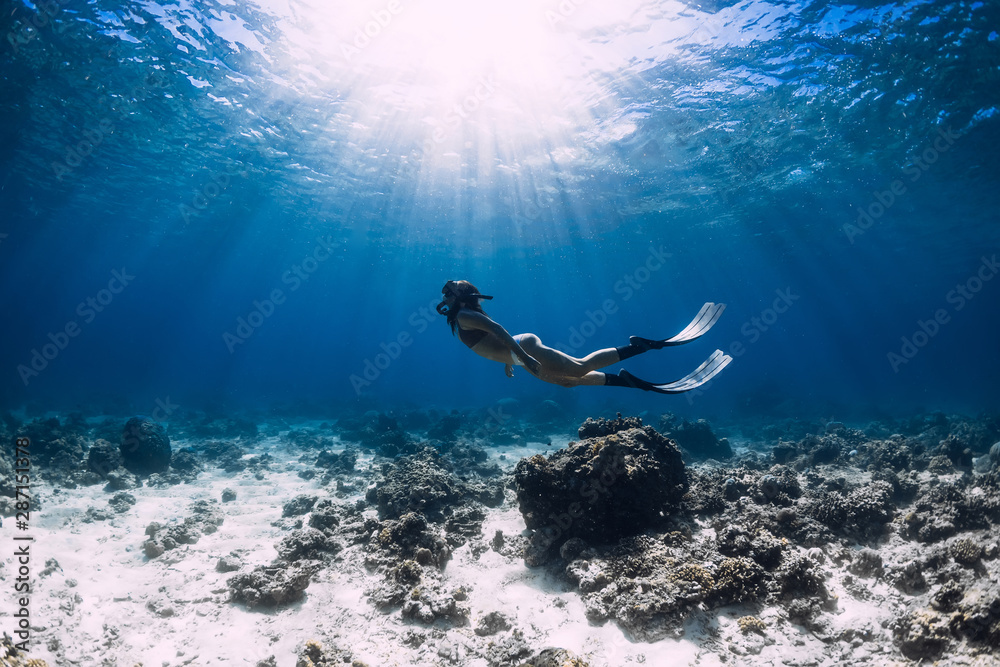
[(466, 296)]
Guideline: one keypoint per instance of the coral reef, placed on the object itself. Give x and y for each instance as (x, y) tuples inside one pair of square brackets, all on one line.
[(901, 516), (299, 505), (224, 454), (271, 585), (103, 457), (423, 483), (145, 447), (599, 489), (695, 439), (597, 428), (56, 447)]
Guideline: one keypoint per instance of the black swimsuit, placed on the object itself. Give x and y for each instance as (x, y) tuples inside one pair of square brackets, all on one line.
[(471, 336)]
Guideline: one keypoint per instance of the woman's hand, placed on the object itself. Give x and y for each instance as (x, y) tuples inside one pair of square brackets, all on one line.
[(509, 370)]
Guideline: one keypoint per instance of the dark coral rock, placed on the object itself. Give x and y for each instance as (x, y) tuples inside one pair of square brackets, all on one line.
[(646, 609), (862, 513), (946, 599), (892, 454), (343, 462), (956, 450), (469, 459), (325, 516), (705, 500), (738, 580), (904, 488), (597, 428), (308, 439), (758, 544), (871, 505), (185, 462), (823, 448), (204, 520), (226, 455), (95, 514), (940, 465), (103, 457), (299, 505), (921, 635), (508, 650), (492, 623), (783, 452), (799, 576), (400, 539), (429, 605), (978, 620), (805, 612), (308, 543), (602, 488), (422, 483), (271, 585), (695, 438), (944, 509), (54, 445), (780, 486), (145, 447), (122, 502)]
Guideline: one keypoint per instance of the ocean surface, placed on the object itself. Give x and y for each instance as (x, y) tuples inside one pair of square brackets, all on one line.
[(254, 205)]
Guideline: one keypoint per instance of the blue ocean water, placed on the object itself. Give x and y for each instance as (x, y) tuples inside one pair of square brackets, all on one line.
[(255, 204)]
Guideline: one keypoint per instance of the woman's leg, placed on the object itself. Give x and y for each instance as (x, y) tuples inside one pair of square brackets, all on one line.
[(558, 364), (593, 378)]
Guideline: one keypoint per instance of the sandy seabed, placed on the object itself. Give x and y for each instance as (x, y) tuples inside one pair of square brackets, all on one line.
[(97, 599)]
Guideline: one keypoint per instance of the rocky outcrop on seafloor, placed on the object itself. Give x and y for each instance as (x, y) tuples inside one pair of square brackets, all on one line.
[(271, 585), (600, 488), (695, 439), (425, 483), (786, 532), (411, 554), (205, 519), (103, 457), (145, 446), (301, 554), (425, 511), (343, 462), (57, 447), (224, 454)]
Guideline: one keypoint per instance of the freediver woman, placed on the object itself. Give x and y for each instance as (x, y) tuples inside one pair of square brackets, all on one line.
[(485, 337)]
